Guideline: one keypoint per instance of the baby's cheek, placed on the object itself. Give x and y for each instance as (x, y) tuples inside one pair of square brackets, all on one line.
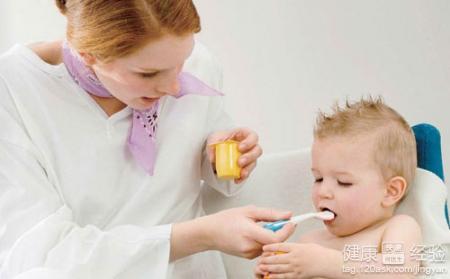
[(352, 208), (359, 213)]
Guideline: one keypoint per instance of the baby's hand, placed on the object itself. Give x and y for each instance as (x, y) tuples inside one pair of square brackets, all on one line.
[(299, 260), (259, 274)]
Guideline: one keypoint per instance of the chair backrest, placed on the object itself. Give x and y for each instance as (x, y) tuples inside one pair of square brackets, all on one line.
[(429, 155)]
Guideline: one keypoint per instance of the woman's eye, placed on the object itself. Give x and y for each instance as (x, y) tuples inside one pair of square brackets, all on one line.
[(341, 183), (148, 75), (318, 180)]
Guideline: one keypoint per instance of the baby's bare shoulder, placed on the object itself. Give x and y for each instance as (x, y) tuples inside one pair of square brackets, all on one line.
[(402, 226), (402, 220)]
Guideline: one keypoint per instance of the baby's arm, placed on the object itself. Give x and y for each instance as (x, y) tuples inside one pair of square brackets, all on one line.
[(403, 229), (308, 259), (301, 259), (400, 229)]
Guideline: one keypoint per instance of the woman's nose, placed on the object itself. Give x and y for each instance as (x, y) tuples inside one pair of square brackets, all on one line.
[(170, 85)]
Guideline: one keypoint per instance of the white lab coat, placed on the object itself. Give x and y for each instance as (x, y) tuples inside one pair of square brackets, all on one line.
[(73, 201)]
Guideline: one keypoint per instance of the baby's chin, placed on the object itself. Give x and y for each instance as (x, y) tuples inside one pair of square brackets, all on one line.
[(338, 232), (342, 230)]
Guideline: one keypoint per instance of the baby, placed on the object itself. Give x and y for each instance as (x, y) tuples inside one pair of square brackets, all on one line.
[(363, 160)]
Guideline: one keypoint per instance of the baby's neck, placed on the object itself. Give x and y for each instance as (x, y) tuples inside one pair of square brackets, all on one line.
[(376, 223), (370, 235), (381, 220)]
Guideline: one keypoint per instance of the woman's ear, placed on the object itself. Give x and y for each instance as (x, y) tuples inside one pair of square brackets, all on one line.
[(88, 59), (395, 190)]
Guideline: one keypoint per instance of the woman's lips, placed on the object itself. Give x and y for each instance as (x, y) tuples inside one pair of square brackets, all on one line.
[(147, 100)]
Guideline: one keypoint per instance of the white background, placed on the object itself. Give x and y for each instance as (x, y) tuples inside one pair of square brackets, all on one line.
[(285, 59)]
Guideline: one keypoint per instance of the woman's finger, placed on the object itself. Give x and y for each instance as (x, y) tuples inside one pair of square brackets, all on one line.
[(248, 169), (250, 156), (267, 214), (284, 233), (245, 172), (247, 140), (240, 133), (278, 247), (246, 137), (262, 235)]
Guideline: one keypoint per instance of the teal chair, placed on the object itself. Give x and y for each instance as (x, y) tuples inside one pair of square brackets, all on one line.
[(429, 155)]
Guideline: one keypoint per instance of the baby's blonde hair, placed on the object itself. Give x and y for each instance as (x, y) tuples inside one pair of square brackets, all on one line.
[(395, 144)]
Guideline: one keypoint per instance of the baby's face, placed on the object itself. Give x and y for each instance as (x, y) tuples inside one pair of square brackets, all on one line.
[(347, 182)]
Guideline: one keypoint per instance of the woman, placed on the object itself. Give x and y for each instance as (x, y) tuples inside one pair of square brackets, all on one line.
[(104, 143)]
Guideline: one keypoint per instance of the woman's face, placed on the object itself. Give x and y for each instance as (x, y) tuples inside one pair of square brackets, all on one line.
[(140, 79)]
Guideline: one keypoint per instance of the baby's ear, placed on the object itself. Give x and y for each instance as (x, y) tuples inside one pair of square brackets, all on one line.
[(395, 190)]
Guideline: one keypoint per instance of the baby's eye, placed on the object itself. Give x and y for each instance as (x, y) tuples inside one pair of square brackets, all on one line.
[(341, 183), (318, 180)]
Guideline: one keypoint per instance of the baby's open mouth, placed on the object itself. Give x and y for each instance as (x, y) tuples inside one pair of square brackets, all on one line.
[(327, 209)]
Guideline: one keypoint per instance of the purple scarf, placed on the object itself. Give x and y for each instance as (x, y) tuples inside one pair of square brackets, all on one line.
[(141, 140)]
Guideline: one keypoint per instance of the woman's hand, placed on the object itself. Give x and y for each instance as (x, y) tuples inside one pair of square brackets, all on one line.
[(236, 232), (248, 146), (298, 260), (233, 231)]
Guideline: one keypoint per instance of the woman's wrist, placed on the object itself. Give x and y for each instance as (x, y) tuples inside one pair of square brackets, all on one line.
[(190, 237)]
